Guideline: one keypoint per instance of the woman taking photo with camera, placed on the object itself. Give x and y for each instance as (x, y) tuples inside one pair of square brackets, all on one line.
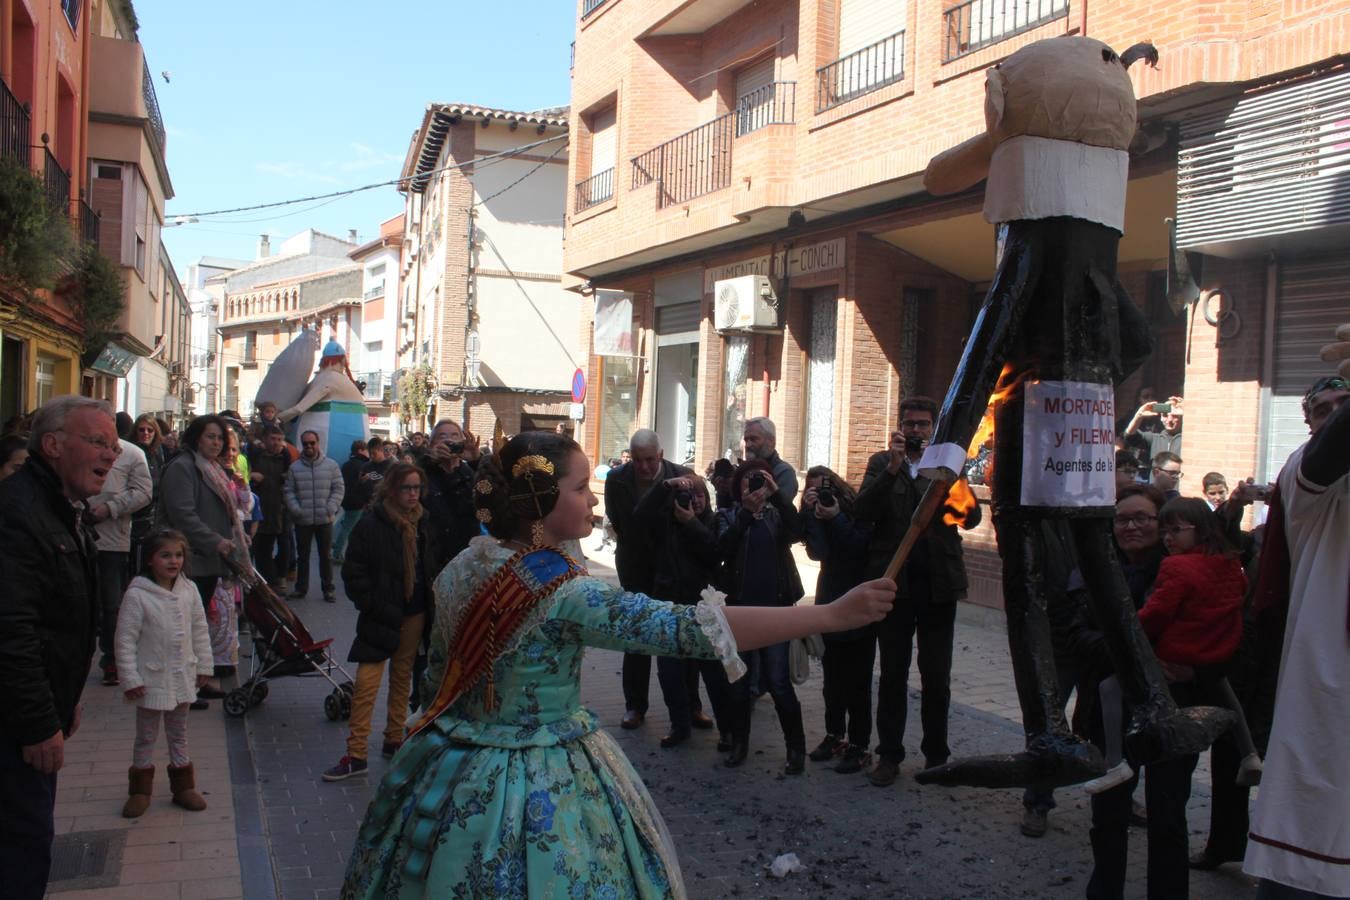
[(754, 538), (836, 540)]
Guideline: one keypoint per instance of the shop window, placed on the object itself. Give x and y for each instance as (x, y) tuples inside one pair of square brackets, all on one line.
[(735, 390), (46, 378), (618, 404)]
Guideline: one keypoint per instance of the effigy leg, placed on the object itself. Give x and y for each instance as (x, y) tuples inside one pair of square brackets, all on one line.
[(1034, 550)]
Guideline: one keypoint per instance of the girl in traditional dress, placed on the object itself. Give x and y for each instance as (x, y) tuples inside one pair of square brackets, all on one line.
[(506, 786)]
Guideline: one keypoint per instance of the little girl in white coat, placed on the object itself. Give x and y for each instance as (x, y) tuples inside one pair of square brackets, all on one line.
[(163, 651)]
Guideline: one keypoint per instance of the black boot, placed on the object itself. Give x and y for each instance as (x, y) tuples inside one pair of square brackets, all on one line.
[(796, 761)]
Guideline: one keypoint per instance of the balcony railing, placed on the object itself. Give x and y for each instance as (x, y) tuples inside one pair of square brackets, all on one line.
[(772, 104), (373, 292), (596, 189), (697, 162), (57, 182), (15, 129), (861, 72), (89, 223), (377, 385), (590, 6), (976, 24), (152, 105)]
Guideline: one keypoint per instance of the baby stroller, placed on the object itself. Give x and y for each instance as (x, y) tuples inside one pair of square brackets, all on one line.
[(282, 647)]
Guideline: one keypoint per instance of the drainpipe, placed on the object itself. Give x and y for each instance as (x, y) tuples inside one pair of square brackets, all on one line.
[(470, 308)]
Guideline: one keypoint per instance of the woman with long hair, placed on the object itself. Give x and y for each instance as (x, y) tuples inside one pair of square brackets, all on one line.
[(388, 573), (506, 786)]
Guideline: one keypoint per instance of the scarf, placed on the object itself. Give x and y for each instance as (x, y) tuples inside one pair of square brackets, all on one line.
[(406, 523), (213, 474)]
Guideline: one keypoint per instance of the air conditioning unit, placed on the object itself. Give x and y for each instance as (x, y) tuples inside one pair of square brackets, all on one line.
[(175, 368), (747, 303)]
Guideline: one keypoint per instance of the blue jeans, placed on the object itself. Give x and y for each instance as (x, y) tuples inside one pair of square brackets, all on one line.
[(27, 798), (346, 522), (768, 666)]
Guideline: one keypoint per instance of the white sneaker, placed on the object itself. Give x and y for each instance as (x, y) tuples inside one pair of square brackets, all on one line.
[(1116, 775), (1249, 771)]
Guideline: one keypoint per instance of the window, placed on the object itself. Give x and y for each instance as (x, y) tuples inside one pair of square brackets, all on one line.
[(250, 348), (735, 389), (72, 10), (974, 24), (618, 404), (871, 52), (46, 378), (754, 96), (599, 187)]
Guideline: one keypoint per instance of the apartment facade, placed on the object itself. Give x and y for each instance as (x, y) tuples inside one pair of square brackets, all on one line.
[(44, 64), (482, 305), (143, 368), (379, 260), (310, 282), (764, 161)]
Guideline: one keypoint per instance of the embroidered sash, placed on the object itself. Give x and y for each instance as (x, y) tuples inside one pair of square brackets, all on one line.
[(492, 618)]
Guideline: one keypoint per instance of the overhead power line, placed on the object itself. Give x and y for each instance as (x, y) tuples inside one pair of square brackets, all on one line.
[(333, 195)]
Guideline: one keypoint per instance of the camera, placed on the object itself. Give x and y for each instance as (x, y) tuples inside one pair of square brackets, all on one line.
[(825, 495), (684, 498), (456, 448), (1162, 408), (755, 481), (1259, 492), (914, 443)]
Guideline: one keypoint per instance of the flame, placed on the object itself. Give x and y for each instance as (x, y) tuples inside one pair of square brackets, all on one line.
[(960, 504)]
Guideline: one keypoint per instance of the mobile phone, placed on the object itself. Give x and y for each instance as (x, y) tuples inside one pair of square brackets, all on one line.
[(755, 481), (1162, 408)]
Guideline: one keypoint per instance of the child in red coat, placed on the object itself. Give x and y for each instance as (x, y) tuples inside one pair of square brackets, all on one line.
[(1193, 617)]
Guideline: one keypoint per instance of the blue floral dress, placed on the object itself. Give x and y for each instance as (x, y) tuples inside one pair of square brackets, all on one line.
[(530, 799)]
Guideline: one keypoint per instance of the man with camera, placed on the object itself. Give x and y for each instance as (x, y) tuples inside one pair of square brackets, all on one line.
[(450, 460), (624, 489), (760, 441), (682, 529), (930, 584), (1168, 440)]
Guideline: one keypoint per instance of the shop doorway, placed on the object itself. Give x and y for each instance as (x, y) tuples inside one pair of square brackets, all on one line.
[(677, 399)]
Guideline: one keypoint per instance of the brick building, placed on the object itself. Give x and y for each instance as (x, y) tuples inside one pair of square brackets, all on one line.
[(721, 138), (482, 303)]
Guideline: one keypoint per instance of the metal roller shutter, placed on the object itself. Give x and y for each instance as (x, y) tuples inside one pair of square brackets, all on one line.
[(603, 144), (864, 22), (1312, 302)]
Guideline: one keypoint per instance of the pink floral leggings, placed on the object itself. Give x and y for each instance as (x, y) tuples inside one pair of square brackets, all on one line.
[(147, 732)]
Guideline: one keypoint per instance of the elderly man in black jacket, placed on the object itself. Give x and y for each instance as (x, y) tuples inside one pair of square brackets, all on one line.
[(930, 583), (48, 622), (624, 488)]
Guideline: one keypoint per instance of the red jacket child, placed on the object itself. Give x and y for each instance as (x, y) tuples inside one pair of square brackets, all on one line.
[(1194, 615)]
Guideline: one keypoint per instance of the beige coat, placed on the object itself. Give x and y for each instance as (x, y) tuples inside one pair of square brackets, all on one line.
[(162, 643)]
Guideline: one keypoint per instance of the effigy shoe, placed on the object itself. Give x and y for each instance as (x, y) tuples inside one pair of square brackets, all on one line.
[(1050, 761), (1161, 731)]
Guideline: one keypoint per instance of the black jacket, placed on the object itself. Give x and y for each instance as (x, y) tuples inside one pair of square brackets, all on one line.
[(49, 606), (270, 491), (888, 502), (840, 546), (373, 576), (449, 503), (733, 526), (684, 554), (633, 556), (351, 483)]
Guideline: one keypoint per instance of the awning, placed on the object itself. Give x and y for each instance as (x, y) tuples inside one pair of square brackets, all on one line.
[(115, 361)]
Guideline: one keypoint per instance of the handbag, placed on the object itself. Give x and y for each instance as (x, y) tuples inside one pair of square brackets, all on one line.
[(800, 652)]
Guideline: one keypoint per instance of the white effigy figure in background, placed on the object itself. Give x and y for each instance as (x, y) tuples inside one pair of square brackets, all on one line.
[(332, 405)]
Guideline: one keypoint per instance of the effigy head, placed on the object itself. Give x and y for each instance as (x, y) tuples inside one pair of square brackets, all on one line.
[(1066, 88), (333, 355)]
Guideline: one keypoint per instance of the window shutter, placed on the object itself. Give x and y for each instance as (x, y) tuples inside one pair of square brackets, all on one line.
[(864, 22), (604, 147)]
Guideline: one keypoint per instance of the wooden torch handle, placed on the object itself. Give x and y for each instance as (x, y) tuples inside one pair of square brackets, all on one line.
[(933, 498)]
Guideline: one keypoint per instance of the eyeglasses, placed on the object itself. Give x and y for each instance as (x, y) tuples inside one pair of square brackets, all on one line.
[(1172, 473), (411, 488), (1138, 520), (114, 448), (916, 423), (1174, 530)]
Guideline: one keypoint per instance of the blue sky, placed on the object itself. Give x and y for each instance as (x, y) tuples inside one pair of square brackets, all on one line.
[(278, 100)]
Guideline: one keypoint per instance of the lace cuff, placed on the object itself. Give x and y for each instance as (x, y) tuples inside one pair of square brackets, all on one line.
[(712, 618)]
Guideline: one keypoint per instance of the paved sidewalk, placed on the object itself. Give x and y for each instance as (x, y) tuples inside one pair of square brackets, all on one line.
[(275, 829), (166, 854)]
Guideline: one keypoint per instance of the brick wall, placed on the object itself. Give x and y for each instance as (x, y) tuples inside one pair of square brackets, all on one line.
[(456, 202)]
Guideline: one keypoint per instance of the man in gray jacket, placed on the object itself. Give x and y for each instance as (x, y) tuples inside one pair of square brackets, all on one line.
[(314, 497), (126, 490)]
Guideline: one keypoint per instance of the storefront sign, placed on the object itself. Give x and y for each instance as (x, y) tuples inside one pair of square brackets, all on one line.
[(115, 361), (1068, 445), (613, 323), (811, 259)]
